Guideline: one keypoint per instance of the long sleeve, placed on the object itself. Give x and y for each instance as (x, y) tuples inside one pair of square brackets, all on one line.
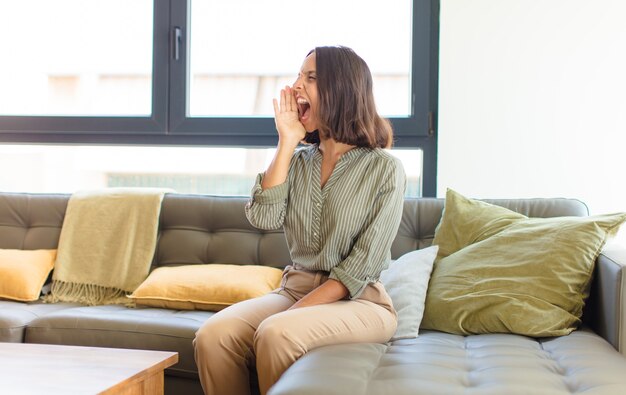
[(371, 251), (266, 208)]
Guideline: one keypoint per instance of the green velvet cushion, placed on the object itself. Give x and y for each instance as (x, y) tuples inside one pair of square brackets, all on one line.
[(466, 221), (502, 272)]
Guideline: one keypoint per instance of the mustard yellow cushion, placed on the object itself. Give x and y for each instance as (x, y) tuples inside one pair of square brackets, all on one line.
[(506, 273), (23, 273), (205, 287)]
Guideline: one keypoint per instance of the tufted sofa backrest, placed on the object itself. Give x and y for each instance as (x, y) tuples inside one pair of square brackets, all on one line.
[(31, 221), (196, 229), (422, 215)]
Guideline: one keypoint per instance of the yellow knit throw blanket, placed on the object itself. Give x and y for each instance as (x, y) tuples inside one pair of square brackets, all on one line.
[(106, 245)]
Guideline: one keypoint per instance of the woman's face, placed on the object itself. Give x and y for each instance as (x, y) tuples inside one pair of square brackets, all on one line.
[(305, 91)]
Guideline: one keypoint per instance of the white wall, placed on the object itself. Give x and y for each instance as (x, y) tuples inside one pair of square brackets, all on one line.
[(533, 100)]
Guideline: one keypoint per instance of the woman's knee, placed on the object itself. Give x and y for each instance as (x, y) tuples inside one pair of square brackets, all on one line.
[(276, 333), (223, 332)]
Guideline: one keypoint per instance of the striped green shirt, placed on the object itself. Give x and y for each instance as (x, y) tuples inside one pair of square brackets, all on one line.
[(345, 228)]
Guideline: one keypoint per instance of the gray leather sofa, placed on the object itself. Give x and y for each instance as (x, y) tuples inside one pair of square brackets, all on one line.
[(207, 229)]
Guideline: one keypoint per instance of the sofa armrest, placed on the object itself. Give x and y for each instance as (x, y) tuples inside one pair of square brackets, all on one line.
[(609, 318)]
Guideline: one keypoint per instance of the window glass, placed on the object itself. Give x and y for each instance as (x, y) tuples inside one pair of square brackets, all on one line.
[(196, 170), (242, 52), (76, 57)]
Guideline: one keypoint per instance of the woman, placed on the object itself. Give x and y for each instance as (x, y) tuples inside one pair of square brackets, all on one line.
[(340, 203)]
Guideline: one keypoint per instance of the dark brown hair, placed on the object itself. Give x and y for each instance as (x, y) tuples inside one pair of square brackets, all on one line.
[(346, 107)]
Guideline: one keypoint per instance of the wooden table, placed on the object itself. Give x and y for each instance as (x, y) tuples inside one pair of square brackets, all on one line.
[(50, 369)]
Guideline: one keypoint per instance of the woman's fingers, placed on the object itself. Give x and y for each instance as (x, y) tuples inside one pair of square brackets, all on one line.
[(282, 100), (287, 101), (286, 104), (290, 100)]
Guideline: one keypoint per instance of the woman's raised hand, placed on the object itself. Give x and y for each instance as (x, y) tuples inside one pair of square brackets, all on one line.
[(290, 129)]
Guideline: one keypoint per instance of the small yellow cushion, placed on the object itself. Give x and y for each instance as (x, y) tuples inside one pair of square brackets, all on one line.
[(503, 272), (23, 273), (205, 287)]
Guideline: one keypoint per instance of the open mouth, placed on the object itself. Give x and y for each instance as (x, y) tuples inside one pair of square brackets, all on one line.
[(304, 109)]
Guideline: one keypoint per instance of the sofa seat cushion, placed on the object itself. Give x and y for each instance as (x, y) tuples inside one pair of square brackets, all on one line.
[(441, 363), (15, 316), (121, 327)]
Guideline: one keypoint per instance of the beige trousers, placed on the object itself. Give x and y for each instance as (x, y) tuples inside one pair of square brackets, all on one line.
[(260, 332)]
